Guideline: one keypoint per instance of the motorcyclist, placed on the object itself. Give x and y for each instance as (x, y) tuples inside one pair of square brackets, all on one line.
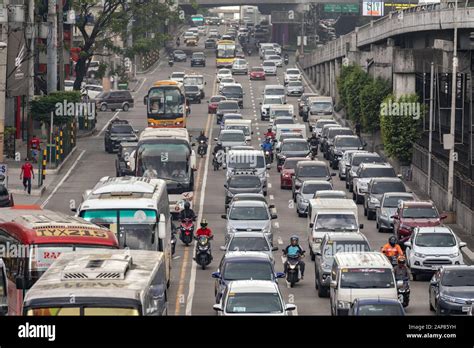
[(177, 42), (392, 249), (401, 270), (202, 137), (218, 148), (187, 212), (267, 145), (313, 140), (270, 133), (294, 249), (204, 230)]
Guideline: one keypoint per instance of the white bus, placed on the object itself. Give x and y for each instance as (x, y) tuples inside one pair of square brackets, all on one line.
[(107, 282), (136, 209)]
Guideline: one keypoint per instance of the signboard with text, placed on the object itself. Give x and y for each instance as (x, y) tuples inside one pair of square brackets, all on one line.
[(341, 8), (373, 8)]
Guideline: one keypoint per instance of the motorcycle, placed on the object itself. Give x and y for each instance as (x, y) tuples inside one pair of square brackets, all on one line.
[(173, 242), (203, 251), (404, 293), (314, 151), (286, 60), (393, 260), (268, 157), (186, 231), (202, 148), (171, 62), (293, 269), (217, 160), (249, 52)]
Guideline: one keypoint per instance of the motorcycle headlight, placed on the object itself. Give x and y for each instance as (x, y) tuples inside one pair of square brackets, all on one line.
[(343, 304), (420, 255)]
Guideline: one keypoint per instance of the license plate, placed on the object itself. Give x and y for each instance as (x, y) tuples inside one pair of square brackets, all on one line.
[(466, 308)]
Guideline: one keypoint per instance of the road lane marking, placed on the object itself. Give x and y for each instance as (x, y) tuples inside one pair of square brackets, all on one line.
[(280, 241), (107, 124), (63, 179), (141, 85), (276, 224), (272, 198), (269, 185)]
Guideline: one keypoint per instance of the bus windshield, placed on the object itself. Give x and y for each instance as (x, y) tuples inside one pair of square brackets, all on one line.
[(226, 51), (77, 311), (163, 160), (166, 102), (133, 227)]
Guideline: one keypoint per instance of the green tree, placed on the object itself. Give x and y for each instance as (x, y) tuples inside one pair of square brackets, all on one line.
[(42, 107), (354, 83), (342, 83), (371, 98), (400, 129)]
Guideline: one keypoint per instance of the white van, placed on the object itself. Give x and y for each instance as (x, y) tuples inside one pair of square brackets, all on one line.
[(247, 159), (275, 91), (319, 108), (281, 110), (293, 129), (243, 125), (360, 275), (330, 215)]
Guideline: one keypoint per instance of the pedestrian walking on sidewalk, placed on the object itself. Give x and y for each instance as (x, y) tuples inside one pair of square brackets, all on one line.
[(26, 174)]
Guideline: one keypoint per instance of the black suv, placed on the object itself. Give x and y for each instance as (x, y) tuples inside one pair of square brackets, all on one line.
[(193, 93), (199, 59), (114, 100), (122, 162), (179, 56), (118, 131)]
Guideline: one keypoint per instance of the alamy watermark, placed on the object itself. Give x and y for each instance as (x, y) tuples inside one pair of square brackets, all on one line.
[(72, 109), (394, 108)]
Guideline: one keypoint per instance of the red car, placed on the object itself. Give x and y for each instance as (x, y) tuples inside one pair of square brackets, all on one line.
[(257, 73), (213, 102), (411, 214), (288, 171)]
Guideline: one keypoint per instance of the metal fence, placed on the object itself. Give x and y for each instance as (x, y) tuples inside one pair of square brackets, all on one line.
[(463, 186)]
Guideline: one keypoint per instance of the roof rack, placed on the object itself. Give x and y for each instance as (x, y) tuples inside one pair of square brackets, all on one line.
[(94, 268)]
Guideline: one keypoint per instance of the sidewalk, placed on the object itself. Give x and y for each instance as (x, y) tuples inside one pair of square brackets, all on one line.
[(467, 251)]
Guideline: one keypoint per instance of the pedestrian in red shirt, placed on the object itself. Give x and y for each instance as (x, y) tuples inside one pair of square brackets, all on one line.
[(26, 174), (35, 148)]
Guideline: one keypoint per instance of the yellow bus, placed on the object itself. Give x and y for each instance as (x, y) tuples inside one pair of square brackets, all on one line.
[(225, 53), (166, 105)]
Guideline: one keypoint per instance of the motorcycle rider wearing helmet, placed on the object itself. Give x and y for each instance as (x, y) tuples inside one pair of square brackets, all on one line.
[(270, 133), (313, 140), (204, 230), (218, 148), (401, 270), (187, 212), (392, 249), (267, 145), (294, 249), (202, 137)]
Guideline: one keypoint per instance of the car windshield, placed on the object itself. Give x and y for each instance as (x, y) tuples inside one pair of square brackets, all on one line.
[(293, 72), (240, 137), (243, 128), (248, 244), (321, 107), (335, 222), (312, 188), (378, 173), (228, 106), (435, 240), (295, 84), (348, 142), (177, 75), (313, 171), (225, 72), (320, 124), (455, 277), (295, 146), (191, 88), (382, 187), (232, 90), (216, 99), (275, 91), (238, 181), (357, 160), (284, 120), (367, 278), (248, 213), (266, 63), (339, 131), (254, 303), (122, 129), (420, 212), (227, 80), (232, 117), (392, 201), (380, 309), (273, 101), (291, 136), (257, 69), (247, 271)]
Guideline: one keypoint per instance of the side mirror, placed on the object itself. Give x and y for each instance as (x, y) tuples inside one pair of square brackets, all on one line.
[(223, 216), (162, 227), (274, 216), (275, 249), (145, 99), (333, 174), (216, 139), (269, 166), (361, 226), (443, 216), (223, 248), (433, 282), (280, 275), (217, 307), (333, 284), (290, 307), (399, 284), (311, 225), (74, 210), (462, 244), (216, 275), (136, 131), (407, 244), (395, 217), (399, 176), (20, 283), (271, 206)]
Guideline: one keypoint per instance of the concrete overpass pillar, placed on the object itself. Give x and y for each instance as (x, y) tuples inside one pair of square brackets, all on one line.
[(337, 72), (332, 78), (327, 78), (322, 75), (403, 72), (404, 84)]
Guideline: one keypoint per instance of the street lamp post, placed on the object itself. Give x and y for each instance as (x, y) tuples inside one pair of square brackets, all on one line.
[(453, 112), (3, 84)]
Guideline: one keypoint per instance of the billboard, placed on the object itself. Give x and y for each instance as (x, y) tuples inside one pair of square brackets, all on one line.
[(17, 64), (373, 8)]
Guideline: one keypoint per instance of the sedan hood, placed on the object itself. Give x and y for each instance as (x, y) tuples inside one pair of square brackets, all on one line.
[(436, 251), (250, 224), (465, 292)]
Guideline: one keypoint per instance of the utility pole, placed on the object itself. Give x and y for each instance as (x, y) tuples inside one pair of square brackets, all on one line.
[(453, 112), (52, 44), (3, 80), (430, 139), (60, 44), (31, 63), (302, 36)]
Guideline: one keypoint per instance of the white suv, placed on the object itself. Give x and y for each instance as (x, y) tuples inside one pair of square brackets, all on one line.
[(429, 248), (292, 74)]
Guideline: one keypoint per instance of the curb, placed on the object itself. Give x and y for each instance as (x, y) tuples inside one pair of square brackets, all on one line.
[(86, 134), (34, 192), (468, 256)]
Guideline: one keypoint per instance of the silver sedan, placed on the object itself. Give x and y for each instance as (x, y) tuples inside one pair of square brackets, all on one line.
[(294, 88)]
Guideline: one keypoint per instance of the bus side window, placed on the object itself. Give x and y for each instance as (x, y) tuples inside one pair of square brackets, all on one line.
[(156, 299)]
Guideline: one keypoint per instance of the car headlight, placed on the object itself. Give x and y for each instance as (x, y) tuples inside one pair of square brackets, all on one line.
[(266, 230), (317, 240), (374, 200), (343, 304), (420, 255), (231, 229), (230, 194), (456, 254), (452, 299)]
